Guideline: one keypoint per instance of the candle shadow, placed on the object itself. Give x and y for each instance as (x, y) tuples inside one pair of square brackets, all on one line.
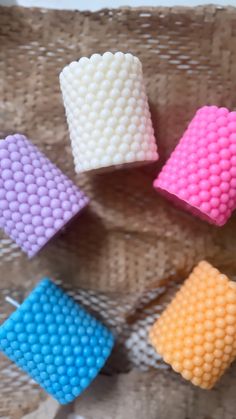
[(73, 254)]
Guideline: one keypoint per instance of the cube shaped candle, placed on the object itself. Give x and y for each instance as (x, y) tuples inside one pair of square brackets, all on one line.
[(55, 341), (107, 112), (196, 334), (36, 198), (200, 174)]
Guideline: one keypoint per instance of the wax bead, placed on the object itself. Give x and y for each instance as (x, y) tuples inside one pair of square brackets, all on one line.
[(62, 368), (207, 187), (198, 341), (107, 112), (29, 212)]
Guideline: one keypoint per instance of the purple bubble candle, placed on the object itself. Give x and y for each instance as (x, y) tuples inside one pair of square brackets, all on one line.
[(36, 198)]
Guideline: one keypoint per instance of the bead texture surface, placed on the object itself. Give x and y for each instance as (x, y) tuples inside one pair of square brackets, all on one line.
[(36, 198), (63, 349), (200, 174), (196, 334), (107, 112)]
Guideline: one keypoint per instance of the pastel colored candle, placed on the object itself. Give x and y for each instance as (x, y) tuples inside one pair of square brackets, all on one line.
[(36, 198), (107, 112), (55, 341), (200, 174), (196, 334)]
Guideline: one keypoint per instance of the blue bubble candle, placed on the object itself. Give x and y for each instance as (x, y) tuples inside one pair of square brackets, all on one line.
[(56, 342)]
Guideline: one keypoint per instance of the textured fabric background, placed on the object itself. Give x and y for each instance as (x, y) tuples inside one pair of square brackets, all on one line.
[(130, 241)]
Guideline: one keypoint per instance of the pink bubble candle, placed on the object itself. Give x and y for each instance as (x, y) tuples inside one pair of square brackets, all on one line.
[(200, 174)]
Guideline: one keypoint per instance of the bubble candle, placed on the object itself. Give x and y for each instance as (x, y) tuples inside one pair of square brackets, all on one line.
[(55, 341), (107, 112), (36, 198), (200, 174), (196, 334)]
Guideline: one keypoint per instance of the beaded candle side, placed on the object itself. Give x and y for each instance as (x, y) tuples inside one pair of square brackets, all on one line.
[(36, 198), (107, 112), (56, 342), (196, 334), (200, 174)]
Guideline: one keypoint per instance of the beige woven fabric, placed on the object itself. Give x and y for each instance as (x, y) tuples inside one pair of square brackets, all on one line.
[(130, 240), (153, 395)]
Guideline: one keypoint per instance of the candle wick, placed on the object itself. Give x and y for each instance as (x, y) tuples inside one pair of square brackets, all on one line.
[(12, 302)]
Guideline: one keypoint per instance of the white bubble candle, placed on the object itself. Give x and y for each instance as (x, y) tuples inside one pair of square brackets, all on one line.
[(107, 112)]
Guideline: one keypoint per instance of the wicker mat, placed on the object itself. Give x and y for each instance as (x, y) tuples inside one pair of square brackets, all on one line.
[(126, 253)]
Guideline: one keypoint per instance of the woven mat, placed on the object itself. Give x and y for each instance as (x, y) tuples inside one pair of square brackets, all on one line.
[(125, 254)]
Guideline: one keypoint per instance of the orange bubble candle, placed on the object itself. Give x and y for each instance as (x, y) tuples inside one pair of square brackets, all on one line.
[(196, 334)]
